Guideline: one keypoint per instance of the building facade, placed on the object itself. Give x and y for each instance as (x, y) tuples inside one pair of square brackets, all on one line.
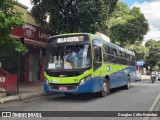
[(34, 37)]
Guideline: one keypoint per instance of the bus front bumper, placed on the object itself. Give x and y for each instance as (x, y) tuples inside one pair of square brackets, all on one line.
[(86, 87)]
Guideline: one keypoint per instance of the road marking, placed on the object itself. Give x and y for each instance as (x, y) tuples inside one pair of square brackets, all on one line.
[(153, 105), (145, 84)]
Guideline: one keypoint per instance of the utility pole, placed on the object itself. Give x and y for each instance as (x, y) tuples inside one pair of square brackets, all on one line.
[(19, 66)]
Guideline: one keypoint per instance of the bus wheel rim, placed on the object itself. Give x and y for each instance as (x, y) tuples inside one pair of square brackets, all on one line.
[(105, 87), (128, 83)]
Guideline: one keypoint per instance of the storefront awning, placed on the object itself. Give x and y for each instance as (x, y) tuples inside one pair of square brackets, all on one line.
[(32, 35)]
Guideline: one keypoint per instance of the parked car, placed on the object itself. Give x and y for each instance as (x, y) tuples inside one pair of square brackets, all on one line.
[(138, 76)]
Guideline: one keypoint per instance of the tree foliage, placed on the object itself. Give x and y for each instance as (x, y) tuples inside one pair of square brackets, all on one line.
[(153, 59), (9, 18), (73, 15), (127, 25), (141, 52)]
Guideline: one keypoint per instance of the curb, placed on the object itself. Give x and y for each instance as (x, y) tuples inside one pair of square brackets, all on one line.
[(2, 95), (27, 96), (9, 99), (19, 97)]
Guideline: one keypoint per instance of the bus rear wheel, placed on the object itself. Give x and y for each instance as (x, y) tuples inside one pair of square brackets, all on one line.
[(106, 89), (128, 83)]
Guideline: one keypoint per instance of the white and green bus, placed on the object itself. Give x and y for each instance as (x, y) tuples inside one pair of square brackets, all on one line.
[(86, 63)]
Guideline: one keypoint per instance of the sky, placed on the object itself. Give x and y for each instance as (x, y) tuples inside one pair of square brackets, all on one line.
[(26, 3), (150, 9)]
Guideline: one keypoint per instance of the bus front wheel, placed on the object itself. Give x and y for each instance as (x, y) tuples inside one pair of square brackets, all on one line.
[(106, 89)]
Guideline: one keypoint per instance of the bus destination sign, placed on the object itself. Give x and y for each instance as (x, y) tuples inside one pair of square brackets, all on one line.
[(70, 39)]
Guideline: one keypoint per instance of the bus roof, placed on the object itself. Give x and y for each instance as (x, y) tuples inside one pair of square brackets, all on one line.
[(67, 34), (102, 40), (114, 46)]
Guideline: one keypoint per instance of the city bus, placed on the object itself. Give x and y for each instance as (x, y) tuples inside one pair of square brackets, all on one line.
[(86, 63)]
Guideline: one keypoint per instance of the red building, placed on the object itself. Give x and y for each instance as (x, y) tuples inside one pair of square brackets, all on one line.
[(32, 63)]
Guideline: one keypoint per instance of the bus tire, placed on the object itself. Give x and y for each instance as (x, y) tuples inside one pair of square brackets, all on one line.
[(106, 89), (128, 83), (68, 94)]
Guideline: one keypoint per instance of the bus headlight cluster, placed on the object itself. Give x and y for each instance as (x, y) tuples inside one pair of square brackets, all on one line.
[(85, 79), (46, 81)]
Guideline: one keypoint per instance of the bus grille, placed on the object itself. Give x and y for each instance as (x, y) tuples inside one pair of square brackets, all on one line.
[(69, 87)]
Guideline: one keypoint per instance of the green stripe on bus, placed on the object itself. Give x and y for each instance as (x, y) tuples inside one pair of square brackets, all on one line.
[(102, 71)]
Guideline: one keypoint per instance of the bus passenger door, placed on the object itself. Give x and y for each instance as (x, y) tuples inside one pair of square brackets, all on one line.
[(97, 63), (97, 70)]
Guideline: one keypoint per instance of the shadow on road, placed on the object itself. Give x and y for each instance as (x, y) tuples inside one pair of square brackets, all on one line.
[(83, 97), (76, 97)]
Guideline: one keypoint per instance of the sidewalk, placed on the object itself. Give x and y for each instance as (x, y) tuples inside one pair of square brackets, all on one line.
[(26, 91), (145, 76)]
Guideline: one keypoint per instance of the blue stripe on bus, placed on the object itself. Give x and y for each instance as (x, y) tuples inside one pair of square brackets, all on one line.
[(117, 79)]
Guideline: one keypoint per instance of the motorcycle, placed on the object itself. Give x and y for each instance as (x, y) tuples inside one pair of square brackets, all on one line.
[(153, 78)]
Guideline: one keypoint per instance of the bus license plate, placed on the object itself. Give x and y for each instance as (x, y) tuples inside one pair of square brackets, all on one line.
[(62, 88)]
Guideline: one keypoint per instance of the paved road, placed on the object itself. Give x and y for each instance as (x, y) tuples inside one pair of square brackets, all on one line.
[(139, 97)]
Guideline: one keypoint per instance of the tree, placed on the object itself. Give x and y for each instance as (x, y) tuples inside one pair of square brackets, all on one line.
[(141, 52), (9, 18), (154, 54), (73, 15), (127, 26)]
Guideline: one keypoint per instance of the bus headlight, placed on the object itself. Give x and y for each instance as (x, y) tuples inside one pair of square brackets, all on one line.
[(82, 81), (46, 81), (88, 77), (85, 79)]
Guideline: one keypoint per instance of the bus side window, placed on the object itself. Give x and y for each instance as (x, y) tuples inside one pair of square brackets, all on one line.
[(119, 53), (114, 54), (128, 59), (123, 58), (107, 49), (119, 56), (97, 57), (133, 60), (106, 53)]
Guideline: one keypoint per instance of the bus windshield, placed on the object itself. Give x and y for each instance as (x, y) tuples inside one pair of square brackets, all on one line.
[(69, 57)]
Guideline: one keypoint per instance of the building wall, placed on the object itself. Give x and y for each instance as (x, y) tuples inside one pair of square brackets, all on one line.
[(26, 15), (30, 19), (23, 9), (29, 73)]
